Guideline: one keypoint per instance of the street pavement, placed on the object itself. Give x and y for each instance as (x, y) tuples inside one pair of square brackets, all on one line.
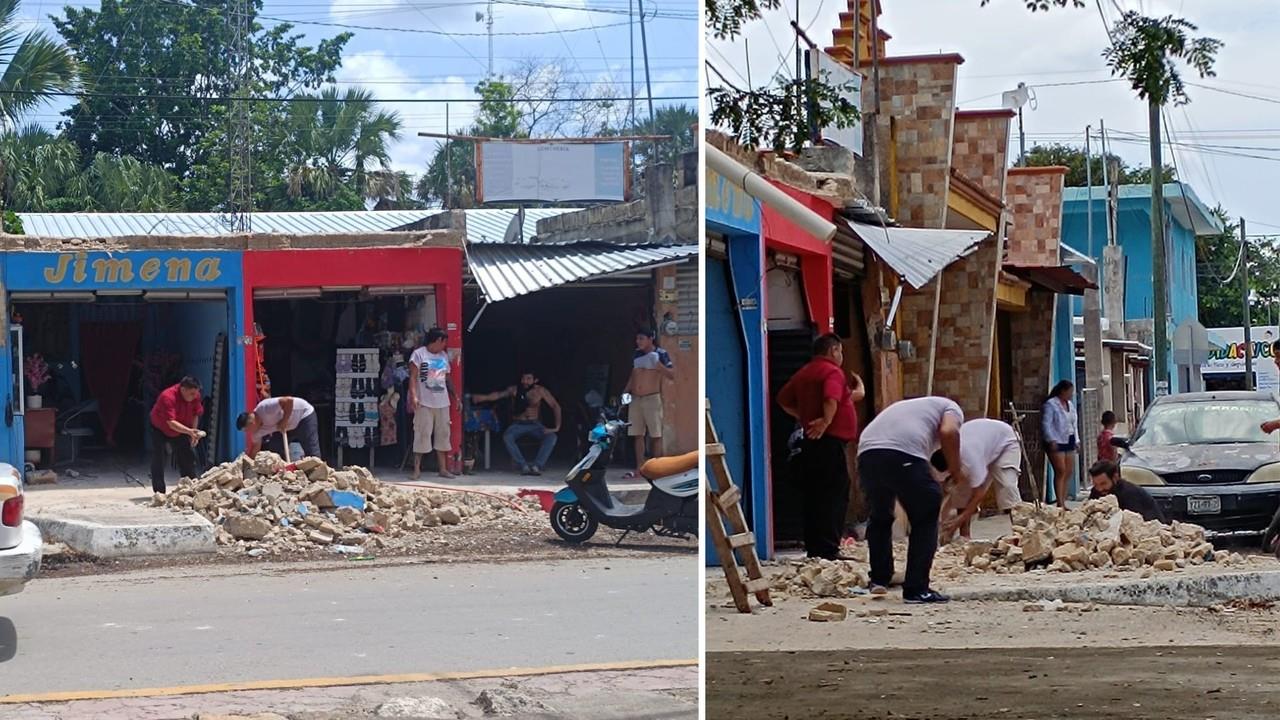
[(190, 626)]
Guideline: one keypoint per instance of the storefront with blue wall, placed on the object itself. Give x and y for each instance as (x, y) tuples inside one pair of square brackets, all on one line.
[(93, 336), (734, 300)]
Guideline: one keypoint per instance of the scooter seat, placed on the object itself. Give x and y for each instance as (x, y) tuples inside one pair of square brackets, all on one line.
[(661, 467)]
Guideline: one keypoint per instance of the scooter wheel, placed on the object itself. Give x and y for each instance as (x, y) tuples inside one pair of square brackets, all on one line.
[(572, 523)]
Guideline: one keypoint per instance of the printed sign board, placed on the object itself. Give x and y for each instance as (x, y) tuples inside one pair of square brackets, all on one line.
[(1227, 352), (551, 172)]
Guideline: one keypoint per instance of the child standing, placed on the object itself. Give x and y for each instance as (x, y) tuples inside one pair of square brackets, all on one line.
[(1105, 450)]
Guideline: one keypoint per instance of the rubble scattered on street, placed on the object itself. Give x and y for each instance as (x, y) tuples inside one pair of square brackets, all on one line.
[(1098, 535), (829, 612), (263, 506), (507, 700)]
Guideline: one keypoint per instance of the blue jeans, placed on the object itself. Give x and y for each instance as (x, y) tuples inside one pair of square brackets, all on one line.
[(528, 429)]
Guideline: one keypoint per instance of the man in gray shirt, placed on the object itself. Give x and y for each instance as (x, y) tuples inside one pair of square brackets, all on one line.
[(893, 467)]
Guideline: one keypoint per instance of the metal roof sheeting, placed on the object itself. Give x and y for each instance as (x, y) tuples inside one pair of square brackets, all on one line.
[(918, 254), (486, 225), (507, 271), (105, 225)]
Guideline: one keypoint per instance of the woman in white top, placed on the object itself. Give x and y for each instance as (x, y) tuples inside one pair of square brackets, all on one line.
[(1059, 424)]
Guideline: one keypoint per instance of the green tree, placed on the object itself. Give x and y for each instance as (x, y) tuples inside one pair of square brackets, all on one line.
[(450, 180), (1072, 157), (159, 65), (676, 121), (781, 114), (34, 66), (38, 165), (1217, 260), (337, 149)]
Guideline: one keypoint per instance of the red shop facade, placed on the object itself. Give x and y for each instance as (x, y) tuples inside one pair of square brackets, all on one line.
[(337, 326), (798, 281)]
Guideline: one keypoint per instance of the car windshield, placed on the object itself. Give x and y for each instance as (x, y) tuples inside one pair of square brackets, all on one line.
[(1206, 423)]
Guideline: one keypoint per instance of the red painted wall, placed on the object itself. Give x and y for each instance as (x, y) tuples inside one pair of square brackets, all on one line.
[(815, 255), (441, 267)]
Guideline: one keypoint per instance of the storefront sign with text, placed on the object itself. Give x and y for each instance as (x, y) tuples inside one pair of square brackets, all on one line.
[(65, 271)]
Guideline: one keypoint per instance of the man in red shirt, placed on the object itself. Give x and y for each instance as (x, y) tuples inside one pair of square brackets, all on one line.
[(821, 396), (175, 423)]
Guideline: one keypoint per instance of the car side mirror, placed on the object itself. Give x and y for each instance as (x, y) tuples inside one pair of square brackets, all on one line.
[(1120, 442), (626, 398)]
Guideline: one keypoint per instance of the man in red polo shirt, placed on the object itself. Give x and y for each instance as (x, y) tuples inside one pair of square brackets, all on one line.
[(821, 398), (175, 423)]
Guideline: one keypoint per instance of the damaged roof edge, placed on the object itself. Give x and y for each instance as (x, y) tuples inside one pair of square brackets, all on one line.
[(918, 254)]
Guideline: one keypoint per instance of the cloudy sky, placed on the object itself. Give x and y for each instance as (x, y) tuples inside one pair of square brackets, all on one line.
[(1227, 146), (436, 49)]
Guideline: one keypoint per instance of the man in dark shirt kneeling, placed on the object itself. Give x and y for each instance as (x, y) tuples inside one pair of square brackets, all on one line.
[(1107, 481)]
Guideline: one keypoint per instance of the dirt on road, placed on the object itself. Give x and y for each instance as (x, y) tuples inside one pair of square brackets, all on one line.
[(1143, 683)]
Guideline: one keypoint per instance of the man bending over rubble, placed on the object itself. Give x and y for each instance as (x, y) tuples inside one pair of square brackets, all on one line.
[(1107, 481), (287, 414), (893, 462), (990, 455)]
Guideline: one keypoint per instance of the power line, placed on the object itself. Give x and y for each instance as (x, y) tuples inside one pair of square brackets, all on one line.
[(267, 99)]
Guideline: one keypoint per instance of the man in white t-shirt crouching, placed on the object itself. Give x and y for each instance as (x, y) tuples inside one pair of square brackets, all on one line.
[(990, 455)]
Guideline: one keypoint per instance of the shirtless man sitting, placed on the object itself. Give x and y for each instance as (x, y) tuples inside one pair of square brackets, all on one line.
[(527, 399)]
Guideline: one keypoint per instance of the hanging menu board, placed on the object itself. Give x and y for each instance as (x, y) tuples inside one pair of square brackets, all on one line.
[(356, 397)]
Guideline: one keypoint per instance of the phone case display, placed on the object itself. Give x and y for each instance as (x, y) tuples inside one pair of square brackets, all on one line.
[(356, 395)]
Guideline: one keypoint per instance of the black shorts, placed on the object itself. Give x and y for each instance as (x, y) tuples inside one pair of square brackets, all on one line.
[(1069, 446)]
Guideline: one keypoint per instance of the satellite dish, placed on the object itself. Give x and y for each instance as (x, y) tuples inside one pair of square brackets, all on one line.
[(1016, 98)]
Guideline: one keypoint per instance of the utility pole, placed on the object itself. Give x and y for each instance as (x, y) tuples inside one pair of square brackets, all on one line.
[(489, 26), (239, 137), (1159, 261), (448, 162), (631, 40), (1249, 383), (644, 48)]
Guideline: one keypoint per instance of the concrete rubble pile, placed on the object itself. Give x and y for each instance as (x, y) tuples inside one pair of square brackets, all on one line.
[(1095, 536), (265, 506)]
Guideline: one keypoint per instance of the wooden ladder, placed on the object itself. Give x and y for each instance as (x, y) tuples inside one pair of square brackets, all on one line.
[(724, 508)]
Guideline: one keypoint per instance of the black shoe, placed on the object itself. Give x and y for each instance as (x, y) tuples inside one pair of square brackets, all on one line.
[(535, 470), (928, 597)]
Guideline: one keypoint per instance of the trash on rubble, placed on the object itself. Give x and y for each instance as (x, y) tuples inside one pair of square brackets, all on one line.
[(257, 552), (347, 549), (345, 498)]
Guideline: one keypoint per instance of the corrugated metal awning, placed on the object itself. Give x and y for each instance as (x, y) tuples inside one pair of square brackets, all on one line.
[(918, 254), (505, 271), (105, 225), (489, 225)]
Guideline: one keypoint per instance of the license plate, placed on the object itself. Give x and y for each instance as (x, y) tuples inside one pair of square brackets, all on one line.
[(1210, 505)]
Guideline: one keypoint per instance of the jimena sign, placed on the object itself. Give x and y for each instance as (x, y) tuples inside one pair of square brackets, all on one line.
[(122, 270)]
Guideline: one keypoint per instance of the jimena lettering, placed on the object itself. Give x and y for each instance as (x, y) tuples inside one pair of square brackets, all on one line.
[(122, 270)]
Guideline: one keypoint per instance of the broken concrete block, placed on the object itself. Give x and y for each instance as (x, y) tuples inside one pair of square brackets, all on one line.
[(1164, 565), (828, 612), (247, 527), (349, 516), (976, 549), (320, 537), (424, 708), (450, 515), (1037, 543)]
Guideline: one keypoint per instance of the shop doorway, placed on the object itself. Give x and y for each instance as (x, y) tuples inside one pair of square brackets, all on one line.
[(93, 365), (307, 339), (579, 341)]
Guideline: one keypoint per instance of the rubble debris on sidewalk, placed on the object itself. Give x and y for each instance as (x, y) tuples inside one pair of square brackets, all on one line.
[(1095, 536), (264, 506)]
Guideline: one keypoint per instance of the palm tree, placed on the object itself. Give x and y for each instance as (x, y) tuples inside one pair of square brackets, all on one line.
[(341, 142), (35, 66), (39, 165)]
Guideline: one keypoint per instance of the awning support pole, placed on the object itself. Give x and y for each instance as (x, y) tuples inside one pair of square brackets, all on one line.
[(476, 319), (933, 333), (764, 191)]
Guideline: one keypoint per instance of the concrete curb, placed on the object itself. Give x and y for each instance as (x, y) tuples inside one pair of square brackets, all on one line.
[(1184, 591), (184, 535)]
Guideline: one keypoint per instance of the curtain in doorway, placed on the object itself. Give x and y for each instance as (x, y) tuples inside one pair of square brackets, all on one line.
[(107, 353)]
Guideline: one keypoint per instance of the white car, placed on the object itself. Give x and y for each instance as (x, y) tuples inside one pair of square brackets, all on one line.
[(20, 541)]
